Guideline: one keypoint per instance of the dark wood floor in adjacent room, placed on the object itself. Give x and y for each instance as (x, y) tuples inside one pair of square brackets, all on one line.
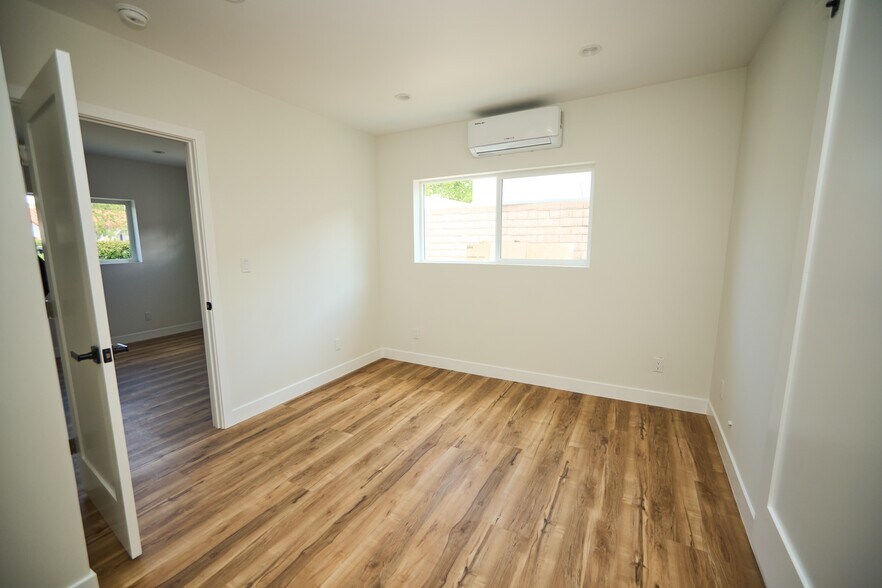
[(403, 475)]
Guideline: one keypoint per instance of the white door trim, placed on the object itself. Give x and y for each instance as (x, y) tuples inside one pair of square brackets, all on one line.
[(203, 237)]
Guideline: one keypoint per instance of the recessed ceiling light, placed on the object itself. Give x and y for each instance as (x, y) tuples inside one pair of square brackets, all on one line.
[(404, 97), (135, 17), (158, 152), (590, 50)]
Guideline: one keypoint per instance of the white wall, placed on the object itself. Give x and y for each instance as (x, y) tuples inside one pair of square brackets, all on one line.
[(779, 113), (41, 542), (165, 282), (829, 475), (290, 190), (665, 163)]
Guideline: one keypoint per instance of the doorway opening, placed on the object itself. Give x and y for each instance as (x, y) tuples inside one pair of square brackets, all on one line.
[(144, 231), (152, 227)]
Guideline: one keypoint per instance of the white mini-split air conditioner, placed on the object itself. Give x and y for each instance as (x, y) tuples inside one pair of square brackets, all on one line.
[(528, 130)]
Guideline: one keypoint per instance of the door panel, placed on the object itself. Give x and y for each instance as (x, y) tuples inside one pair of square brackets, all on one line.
[(61, 189)]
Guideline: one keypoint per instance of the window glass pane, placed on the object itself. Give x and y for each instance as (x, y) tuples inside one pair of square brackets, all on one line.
[(112, 230), (35, 223), (459, 219), (546, 217)]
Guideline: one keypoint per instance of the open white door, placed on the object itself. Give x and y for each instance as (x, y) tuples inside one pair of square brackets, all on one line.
[(58, 167)]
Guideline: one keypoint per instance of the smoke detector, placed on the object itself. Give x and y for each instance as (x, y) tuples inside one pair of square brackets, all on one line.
[(132, 16)]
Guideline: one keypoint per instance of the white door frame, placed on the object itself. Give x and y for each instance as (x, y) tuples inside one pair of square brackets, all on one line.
[(203, 235)]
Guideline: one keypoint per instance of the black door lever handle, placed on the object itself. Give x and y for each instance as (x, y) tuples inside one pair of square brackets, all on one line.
[(120, 347), (94, 355)]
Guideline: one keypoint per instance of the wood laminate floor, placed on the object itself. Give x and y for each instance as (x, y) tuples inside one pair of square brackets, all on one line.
[(403, 475)]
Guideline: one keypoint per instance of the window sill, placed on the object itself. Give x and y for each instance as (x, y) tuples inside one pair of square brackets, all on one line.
[(511, 262), (117, 261)]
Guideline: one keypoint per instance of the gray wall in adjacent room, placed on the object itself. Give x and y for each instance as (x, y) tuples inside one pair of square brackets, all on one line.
[(165, 282)]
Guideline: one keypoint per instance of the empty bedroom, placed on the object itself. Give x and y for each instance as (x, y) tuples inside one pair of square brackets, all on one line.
[(468, 293)]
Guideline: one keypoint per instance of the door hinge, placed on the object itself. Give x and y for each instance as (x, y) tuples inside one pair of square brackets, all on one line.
[(73, 446)]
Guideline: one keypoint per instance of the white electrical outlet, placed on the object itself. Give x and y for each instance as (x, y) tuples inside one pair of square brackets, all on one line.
[(245, 265), (722, 388), (337, 345), (658, 365), (416, 334), (148, 316)]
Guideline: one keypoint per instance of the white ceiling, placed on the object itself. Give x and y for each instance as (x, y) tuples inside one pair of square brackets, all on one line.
[(457, 58), (114, 142)]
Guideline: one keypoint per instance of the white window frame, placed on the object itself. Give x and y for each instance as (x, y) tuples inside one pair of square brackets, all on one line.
[(419, 217), (134, 238)]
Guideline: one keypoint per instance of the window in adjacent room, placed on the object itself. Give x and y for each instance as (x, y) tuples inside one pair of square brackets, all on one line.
[(116, 230), (530, 217)]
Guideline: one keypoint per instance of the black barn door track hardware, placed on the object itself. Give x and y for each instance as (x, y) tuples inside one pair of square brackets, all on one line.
[(833, 5)]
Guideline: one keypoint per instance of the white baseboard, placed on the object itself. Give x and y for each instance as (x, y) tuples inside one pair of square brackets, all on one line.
[(88, 581), (616, 392), (742, 498), (626, 393), (255, 407), (156, 333)]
